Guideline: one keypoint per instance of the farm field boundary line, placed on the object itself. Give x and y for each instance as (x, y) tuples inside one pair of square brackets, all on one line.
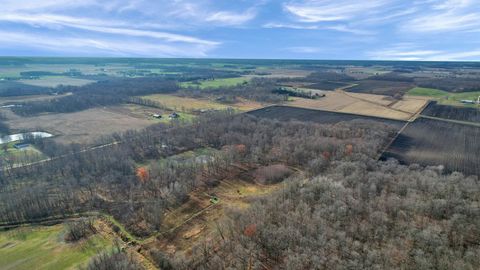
[(392, 140), (419, 112), (451, 120), (373, 102)]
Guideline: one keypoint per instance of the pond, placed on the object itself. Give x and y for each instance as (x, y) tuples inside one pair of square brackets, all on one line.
[(21, 136)]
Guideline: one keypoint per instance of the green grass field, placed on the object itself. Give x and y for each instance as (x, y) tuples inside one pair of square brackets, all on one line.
[(185, 104), (444, 97), (216, 83), (43, 247)]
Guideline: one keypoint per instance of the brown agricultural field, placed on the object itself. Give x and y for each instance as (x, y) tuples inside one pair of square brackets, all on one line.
[(16, 99), (363, 104), (80, 127), (410, 104)]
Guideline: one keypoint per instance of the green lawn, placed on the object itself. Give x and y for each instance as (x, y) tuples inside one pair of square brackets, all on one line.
[(30, 153), (216, 83), (444, 97), (427, 92), (43, 247)]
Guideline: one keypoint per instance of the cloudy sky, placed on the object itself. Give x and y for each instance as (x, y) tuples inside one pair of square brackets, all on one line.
[(300, 29)]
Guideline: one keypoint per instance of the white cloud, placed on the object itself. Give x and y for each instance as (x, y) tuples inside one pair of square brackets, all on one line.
[(446, 16), (99, 26), (456, 56), (101, 46), (339, 28), (303, 49), (347, 29), (411, 52), (290, 26), (231, 18), (332, 10)]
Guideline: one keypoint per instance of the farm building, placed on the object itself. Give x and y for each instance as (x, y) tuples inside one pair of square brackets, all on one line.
[(174, 115), (155, 115), (21, 145)]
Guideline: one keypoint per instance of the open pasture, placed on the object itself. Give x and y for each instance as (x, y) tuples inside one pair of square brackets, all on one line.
[(184, 104), (80, 127), (187, 104), (285, 113), (43, 247), (444, 97), (436, 142)]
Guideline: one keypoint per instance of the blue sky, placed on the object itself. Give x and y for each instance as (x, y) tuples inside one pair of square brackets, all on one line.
[(298, 29)]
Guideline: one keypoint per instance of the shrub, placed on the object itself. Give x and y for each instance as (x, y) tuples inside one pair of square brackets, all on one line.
[(79, 229)]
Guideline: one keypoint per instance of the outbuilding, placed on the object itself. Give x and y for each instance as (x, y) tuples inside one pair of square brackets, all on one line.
[(21, 145)]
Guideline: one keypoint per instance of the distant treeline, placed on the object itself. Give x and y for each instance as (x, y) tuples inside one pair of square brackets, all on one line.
[(450, 84), (12, 88), (101, 93), (295, 93), (257, 89)]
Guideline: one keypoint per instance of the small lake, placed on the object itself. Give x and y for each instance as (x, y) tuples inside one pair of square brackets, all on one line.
[(21, 136)]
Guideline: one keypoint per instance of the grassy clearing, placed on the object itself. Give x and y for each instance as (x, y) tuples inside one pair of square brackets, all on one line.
[(184, 104), (444, 97), (426, 92), (216, 83), (43, 247), (182, 117), (54, 81)]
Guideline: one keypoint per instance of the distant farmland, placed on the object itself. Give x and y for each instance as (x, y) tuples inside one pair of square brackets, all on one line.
[(437, 142), (284, 113), (227, 82)]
